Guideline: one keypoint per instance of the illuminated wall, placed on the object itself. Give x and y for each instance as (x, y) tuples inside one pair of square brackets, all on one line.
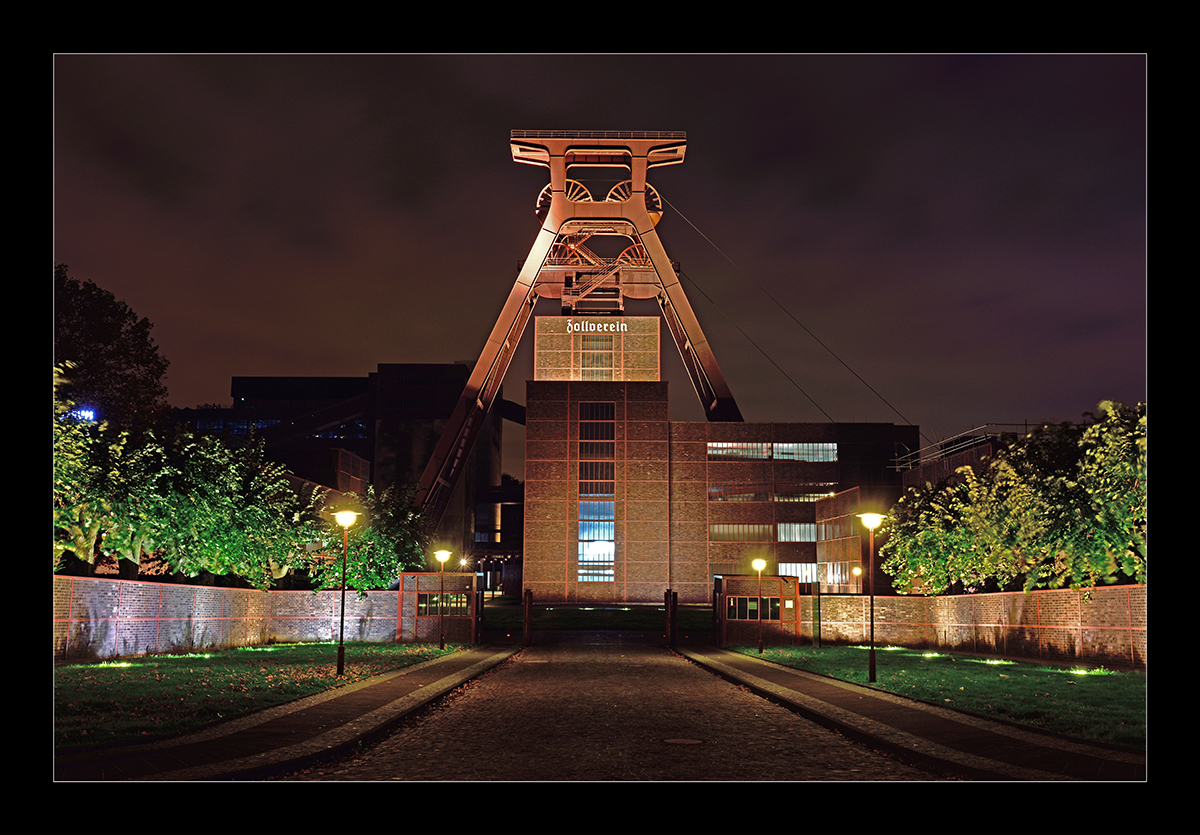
[(621, 504), (102, 618), (596, 481), (597, 348), (1095, 626)]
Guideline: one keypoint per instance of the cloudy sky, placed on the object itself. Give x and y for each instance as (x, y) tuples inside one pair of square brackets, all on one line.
[(942, 240)]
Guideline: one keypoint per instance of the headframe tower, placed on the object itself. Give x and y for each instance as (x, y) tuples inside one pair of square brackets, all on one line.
[(560, 265)]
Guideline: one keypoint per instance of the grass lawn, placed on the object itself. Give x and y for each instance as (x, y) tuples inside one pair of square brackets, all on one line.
[(1085, 703), (130, 699), (137, 698)]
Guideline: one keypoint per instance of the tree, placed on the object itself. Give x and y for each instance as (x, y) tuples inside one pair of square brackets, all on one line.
[(81, 512), (1113, 473), (1064, 506), (389, 538), (116, 364), (233, 512), (206, 508)]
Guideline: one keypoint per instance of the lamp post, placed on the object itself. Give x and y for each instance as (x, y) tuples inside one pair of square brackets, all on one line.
[(345, 518), (871, 520), (442, 556), (759, 565)]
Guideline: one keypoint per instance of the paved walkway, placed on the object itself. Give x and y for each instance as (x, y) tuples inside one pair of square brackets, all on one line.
[(599, 706)]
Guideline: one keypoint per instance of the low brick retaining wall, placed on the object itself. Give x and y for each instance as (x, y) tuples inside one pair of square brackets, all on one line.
[(102, 618), (97, 617), (1096, 626)]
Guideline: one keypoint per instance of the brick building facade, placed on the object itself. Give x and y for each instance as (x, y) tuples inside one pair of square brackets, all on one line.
[(621, 503)]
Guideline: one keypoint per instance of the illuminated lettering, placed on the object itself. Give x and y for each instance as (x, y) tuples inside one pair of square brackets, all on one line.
[(593, 327)]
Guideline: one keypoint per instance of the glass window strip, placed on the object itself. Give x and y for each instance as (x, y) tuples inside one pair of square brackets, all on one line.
[(596, 489), (765, 451), (730, 532), (597, 526), (763, 492), (453, 605), (597, 431), (597, 449), (797, 532), (597, 511), (805, 572), (747, 608), (732, 492), (597, 411), (596, 342), (597, 471)]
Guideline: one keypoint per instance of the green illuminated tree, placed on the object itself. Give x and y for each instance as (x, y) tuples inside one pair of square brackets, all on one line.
[(232, 512), (1113, 474), (389, 538), (81, 513), (1064, 506), (205, 507)]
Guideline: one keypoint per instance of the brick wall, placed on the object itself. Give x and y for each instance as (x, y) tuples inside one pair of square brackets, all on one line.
[(97, 617), (1097, 626)]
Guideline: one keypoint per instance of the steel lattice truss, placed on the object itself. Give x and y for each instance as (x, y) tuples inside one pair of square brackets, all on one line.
[(561, 265)]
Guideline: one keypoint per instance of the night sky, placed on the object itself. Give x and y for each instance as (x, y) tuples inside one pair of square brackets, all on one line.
[(965, 233)]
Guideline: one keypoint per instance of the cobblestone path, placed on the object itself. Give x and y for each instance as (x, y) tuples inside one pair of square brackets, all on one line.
[(598, 712)]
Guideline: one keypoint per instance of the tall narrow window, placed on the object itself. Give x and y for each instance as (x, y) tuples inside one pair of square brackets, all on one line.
[(597, 494), (596, 358)]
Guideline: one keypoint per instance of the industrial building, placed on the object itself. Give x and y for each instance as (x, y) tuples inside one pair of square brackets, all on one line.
[(621, 503)]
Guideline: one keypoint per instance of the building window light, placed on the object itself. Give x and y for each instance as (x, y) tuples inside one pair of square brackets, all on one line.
[(748, 608), (597, 526), (797, 532)]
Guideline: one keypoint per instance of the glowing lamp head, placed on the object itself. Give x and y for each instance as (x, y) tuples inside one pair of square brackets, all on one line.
[(759, 565), (345, 518), (871, 520), (442, 556)]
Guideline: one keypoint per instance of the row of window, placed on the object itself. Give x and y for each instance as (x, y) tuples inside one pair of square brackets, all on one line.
[(756, 451), (597, 490), (451, 605), (805, 572), (597, 522), (750, 608), (596, 359), (839, 527), (781, 532), (767, 492)]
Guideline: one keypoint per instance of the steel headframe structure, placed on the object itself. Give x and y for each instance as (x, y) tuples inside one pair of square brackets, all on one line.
[(560, 265)]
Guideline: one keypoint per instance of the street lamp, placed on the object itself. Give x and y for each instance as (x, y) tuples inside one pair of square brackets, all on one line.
[(442, 556), (871, 520), (345, 518), (759, 565)]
